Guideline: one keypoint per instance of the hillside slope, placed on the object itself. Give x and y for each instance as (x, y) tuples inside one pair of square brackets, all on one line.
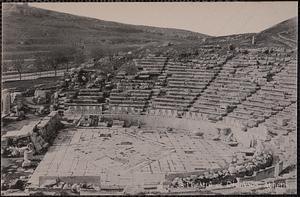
[(28, 31), (282, 34)]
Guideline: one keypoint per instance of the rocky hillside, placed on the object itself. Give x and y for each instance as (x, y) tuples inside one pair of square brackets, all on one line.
[(29, 32), (282, 34)]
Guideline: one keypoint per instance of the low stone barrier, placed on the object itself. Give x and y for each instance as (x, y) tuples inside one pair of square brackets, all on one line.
[(71, 179)]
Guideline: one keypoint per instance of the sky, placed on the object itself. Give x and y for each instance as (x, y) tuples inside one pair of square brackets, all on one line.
[(212, 18)]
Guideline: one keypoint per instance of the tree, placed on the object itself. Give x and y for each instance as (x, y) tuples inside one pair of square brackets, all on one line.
[(231, 47), (55, 58), (63, 56), (97, 53), (51, 63), (19, 65), (39, 63), (68, 55), (78, 57)]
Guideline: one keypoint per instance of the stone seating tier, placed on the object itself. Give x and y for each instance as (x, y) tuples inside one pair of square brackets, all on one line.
[(195, 71), (150, 61), (130, 93), (117, 97), (85, 104), (153, 70), (259, 112), (289, 87), (242, 110), (215, 101), (171, 100), (128, 102), (230, 90), (260, 99), (138, 90), (258, 105), (272, 90), (234, 85), (85, 100), (182, 89), (240, 118), (219, 96), (210, 112), (128, 99), (135, 81), (173, 106), (264, 95), (190, 78), (142, 102), (270, 98), (138, 106), (151, 65), (190, 73), (231, 86), (193, 83), (120, 98), (212, 93), (286, 76), (207, 105), (89, 96), (166, 107), (90, 90), (184, 71), (179, 92), (189, 86), (188, 97), (162, 77)]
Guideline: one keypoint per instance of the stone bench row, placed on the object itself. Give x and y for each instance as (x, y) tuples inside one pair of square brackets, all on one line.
[(130, 94), (120, 99), (171, 100), (185, 82), (180, 92)]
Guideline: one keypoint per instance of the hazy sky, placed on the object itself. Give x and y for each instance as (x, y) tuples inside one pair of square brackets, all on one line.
[(212, 18)]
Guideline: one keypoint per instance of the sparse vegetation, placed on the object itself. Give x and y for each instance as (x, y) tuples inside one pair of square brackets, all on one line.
[(39, 64), (19, 66), (60, 30)]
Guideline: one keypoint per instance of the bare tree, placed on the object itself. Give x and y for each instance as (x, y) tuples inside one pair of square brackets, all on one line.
[(54, 59), (19, 65), (79, 57), (69, 56), (62, 57), (39, 64)]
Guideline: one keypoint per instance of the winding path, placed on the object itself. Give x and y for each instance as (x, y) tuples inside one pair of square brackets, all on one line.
[(286, 41)]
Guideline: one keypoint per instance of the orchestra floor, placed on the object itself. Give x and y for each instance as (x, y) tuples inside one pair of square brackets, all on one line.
[(122, 156)]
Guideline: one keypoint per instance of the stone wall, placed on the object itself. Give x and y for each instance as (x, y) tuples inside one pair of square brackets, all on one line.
[(160, 121), (85, 109), (260, 175), (71, 179)]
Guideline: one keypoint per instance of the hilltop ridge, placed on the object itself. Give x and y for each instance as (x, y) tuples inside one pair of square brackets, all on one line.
[(28, 30)]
